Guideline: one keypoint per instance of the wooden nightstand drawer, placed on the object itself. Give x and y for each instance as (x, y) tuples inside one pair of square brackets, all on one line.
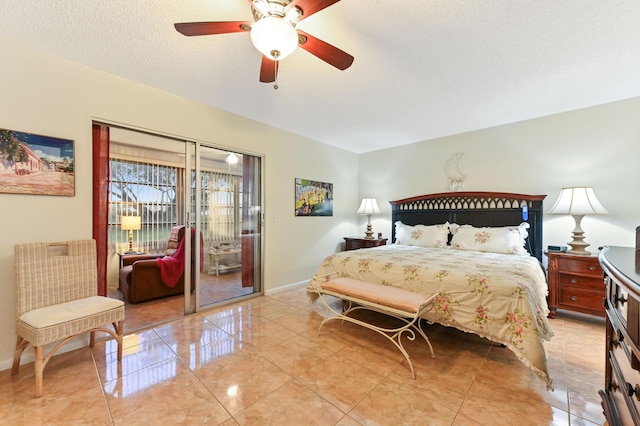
[(571, 297), (596, 283), (586, 266), (576, 283)]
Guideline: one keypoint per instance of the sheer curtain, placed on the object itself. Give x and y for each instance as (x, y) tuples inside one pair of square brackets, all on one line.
[(221, 206)]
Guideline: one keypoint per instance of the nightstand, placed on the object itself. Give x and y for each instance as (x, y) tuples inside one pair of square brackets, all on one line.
[(122, 255), (355, 243), (576, 283)]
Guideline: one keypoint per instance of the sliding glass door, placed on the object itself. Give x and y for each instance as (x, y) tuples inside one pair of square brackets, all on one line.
[(225, 206), (215, 194)]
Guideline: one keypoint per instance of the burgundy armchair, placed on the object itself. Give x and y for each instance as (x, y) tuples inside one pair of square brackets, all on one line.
[(140, 278)]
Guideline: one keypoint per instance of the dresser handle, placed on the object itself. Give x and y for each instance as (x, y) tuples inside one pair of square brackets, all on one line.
[(574, 298), (621, 300), (631, 390), (617, 338), (574, 280), (592, 268)]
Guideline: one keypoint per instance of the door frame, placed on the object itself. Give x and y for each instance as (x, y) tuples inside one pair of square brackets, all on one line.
[(100, 155)]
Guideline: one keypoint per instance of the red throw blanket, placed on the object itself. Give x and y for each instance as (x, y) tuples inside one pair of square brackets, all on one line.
[(172, 267)]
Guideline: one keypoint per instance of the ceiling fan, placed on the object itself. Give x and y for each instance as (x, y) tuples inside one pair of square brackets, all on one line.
[(274, 33)]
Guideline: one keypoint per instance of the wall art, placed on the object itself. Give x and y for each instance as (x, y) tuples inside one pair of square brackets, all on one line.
[(35, 164), (313, 198)]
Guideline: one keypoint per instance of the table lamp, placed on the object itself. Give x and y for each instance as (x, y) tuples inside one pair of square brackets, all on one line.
[(130, 223), (578, 202), (369, 206)]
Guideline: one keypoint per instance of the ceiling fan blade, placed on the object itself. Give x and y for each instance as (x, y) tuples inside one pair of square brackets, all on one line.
[(309, 7), (268, 70), (323, 50), (208, 28)]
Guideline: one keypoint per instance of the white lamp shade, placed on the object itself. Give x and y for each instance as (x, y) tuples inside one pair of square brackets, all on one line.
[(577, 201), (369, 206), (274, 37), (130, 223)]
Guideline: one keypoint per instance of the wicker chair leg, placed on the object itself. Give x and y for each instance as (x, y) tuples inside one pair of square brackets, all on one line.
[(39, 364), (120, 332), (21, 344), (92, 339)]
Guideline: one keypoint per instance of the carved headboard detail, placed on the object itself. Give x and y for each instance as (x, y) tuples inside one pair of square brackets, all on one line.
[(474, 208)]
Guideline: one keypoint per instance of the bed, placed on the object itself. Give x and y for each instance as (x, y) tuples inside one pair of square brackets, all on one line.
[(488, 272)]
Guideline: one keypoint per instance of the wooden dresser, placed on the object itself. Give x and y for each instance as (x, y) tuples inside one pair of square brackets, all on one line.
[(575, 283), (621, 393)]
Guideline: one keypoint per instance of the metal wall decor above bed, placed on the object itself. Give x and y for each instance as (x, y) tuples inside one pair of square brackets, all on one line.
[(474, 208)]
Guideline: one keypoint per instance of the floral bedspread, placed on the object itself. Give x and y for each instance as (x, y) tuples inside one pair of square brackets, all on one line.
[(496, 296)]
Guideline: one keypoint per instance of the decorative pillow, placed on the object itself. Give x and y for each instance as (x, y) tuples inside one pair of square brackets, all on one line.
[(507, 239), (422, 235)]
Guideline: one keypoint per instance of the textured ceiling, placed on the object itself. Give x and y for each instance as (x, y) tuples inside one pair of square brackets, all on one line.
[(423, 68)]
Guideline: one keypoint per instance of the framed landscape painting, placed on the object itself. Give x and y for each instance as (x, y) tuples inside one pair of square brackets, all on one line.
[(313, 198), (35, 164)]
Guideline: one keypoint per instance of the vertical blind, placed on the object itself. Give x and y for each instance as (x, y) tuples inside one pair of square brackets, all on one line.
[(147, 190), (220, 196), (152, 191)]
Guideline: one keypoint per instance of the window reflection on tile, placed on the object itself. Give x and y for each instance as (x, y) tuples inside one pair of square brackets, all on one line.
[(142, 380)]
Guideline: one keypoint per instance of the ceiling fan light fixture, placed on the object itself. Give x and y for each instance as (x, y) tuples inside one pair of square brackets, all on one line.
[(232, 159), (274, 37)]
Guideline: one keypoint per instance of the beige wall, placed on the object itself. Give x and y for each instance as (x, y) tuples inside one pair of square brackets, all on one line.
[(597, 146), (42, 94), (52, 96)]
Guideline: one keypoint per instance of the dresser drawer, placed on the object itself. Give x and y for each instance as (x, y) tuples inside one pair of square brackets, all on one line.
[(594, 283), (617, 392), (571, 297), (621, 395), (585, 266)]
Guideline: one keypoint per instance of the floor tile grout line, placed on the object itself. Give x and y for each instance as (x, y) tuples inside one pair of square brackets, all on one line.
[(102, 390)]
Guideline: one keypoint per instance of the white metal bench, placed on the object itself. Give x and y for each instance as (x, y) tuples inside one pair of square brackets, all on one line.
[(396, 302)]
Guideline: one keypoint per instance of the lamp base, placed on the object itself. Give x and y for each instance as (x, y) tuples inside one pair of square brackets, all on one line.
[(578, 247), (130, 241), (578, 244), (368, 235)]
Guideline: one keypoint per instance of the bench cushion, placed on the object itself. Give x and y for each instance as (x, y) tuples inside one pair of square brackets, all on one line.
[(393, 297)]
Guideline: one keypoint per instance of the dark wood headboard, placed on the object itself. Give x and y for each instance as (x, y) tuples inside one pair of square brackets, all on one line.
[(473, 208)]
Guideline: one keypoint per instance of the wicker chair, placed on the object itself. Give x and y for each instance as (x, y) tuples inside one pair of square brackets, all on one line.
[(56, 300)]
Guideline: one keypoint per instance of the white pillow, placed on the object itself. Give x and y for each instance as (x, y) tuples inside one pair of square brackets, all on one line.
[(421, 235), (506, 239)]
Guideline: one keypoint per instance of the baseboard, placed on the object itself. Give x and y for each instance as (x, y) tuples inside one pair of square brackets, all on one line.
[(286, 287)]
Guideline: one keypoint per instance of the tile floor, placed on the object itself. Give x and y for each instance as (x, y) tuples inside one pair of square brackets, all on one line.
[(214, 289), (259, 361)]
